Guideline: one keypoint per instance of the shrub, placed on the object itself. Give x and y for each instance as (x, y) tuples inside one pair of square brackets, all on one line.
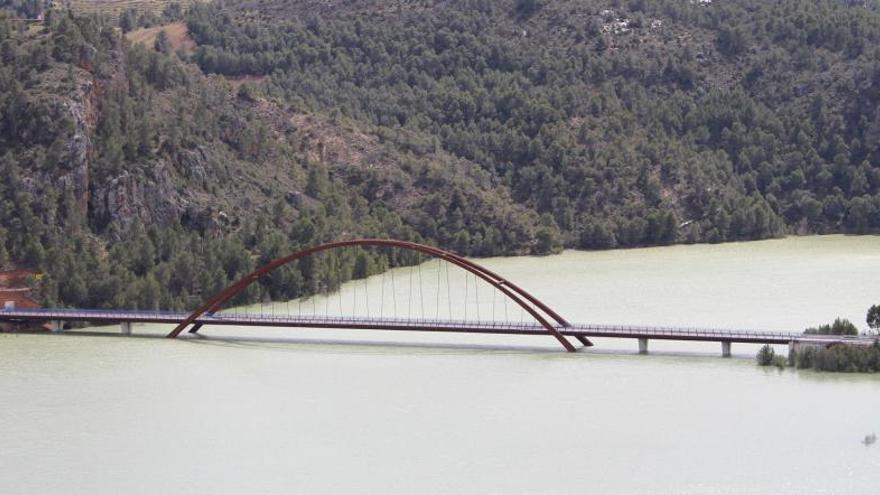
[(779, 362), (766, 355), (839, 358), (841, 326)]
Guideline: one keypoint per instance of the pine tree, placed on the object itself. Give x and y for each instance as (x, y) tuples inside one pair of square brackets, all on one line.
[(162, 44)]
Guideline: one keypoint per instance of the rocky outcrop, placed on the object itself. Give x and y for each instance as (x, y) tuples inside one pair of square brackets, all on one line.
[(150, 194), (158, 195), (192, 164), (150, 198), (81, 110)]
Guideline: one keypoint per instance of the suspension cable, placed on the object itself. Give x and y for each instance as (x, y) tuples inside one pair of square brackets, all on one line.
[(339, 298), (448, 289), (494, 294), (393, 294), (437, 307), (367, 294), (477, 296), (409, 301), (382, 298), (466, 283), (354, 302), (421, 290)]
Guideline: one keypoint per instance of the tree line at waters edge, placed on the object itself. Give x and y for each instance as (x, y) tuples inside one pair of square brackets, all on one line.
[(837, 357)]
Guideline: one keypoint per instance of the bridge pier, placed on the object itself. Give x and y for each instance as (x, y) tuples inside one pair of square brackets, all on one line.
[(725, 348), (643, 346), (125, 327), (56, 326)]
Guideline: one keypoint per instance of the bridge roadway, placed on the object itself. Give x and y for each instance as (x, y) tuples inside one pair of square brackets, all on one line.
[(578, 331)]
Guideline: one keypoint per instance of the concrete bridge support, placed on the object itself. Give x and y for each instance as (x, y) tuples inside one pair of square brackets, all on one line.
[(56, 326), (725, 348), (643, 346), (125, 326)]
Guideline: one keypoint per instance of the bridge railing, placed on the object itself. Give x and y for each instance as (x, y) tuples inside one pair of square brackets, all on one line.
[(262, 317), (318, 319), (611, 330), (97, 313), (666, 330)]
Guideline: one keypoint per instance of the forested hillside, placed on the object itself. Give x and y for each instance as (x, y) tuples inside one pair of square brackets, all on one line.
[(148, 174), (622, 120)]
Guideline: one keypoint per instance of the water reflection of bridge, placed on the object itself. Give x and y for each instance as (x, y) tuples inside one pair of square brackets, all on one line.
[(541, 319)]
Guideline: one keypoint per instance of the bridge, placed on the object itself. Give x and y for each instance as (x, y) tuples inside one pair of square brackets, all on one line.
[(452, 300)]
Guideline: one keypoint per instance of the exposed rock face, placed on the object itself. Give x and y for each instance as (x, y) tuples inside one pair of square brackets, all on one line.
[(192, 163), (149, 195), (157, 196), (151, 199), (81, 111), (72, 118)]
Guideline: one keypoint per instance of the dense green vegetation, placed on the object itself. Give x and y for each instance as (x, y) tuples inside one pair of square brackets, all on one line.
[(836, 357), (736, 119), (841, 326), (873, 318), (767, 357), (28, 9), (94, 259), (131, 19), (839, 358), (149, 177)]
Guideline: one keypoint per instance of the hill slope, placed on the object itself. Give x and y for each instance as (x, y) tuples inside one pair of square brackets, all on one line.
[(134, 180), (147, 178), (741, 119)]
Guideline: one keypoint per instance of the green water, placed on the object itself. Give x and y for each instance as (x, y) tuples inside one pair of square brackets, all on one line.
[(316, 411)]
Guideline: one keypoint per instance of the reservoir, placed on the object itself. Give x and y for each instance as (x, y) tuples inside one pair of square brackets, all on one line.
[(249, 410)]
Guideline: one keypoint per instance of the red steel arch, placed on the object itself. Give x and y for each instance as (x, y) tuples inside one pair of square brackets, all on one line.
[(509, 289)]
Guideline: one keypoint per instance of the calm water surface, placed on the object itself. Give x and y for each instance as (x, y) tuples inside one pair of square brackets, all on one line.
[(335, 411)]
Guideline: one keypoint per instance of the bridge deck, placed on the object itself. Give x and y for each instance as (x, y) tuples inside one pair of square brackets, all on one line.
[(427, 325)]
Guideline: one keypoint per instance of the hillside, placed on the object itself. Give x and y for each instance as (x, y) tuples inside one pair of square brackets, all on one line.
[(740, 119), (149, 168), (126, 171)]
